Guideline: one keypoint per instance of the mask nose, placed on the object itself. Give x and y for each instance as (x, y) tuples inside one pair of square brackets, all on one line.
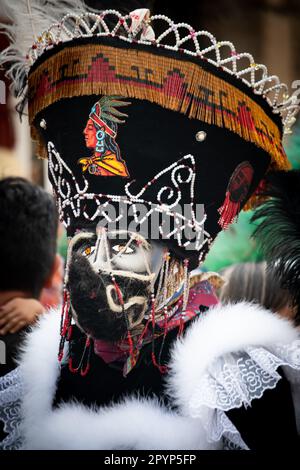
[(100, 259)]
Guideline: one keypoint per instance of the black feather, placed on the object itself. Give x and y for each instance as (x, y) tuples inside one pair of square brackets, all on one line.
[(278, 232)]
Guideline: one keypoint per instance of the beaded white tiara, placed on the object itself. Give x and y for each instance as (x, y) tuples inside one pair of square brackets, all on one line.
[(139, 27)]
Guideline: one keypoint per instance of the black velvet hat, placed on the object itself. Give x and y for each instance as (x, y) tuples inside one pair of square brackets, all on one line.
[(169, 135)]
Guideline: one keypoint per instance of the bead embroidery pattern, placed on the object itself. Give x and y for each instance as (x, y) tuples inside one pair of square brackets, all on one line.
[(72, 196)]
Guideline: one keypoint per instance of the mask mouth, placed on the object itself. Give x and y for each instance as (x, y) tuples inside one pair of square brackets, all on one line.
[(135, 308)]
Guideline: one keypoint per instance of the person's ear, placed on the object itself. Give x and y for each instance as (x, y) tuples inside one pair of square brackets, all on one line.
[(55, 271)]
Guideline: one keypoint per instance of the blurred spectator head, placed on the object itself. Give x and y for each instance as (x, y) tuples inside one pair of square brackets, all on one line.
[(28, 226), (252, 282)]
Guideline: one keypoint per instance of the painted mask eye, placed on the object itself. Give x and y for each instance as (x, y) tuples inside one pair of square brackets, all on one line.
[(88, 251), (121, 248)]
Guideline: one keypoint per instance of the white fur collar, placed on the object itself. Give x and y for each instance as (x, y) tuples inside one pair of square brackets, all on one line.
[(222, 330), (139, 423), (39, 365)]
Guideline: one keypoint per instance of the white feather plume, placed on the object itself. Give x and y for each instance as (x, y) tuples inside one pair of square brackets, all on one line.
[(27, 19)]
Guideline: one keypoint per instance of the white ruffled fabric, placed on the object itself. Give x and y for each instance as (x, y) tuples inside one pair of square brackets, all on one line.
[(11, 393), (235, 380)]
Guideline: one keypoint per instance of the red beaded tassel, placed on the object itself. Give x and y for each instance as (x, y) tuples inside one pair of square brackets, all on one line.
[(185, 296), (65, 323), (162, 369), (131, 350), (132, 354), (228, 211), (83, 370)]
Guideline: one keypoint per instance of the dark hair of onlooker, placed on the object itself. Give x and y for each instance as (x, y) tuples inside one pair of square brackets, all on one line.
[(28, 228)]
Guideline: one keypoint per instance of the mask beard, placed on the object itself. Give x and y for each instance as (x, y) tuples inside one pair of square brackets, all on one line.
[(96, 306)]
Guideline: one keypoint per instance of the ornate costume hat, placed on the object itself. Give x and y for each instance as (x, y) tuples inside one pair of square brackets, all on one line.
[(155, 136)]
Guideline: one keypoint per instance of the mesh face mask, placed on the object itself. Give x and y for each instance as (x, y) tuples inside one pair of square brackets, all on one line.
[(119, 286)]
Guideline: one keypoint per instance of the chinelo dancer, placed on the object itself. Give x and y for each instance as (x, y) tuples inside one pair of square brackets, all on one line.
[(155, 142)]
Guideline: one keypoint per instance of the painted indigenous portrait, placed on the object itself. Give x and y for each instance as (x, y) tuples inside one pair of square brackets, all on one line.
[(100, 135)]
